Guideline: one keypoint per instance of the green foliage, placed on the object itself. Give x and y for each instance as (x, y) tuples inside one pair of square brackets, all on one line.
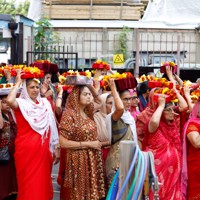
[(45, 36), (9, 7), (122, 47)]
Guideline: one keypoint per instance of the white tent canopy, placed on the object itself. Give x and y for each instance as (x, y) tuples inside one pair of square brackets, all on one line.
[(173, 12)]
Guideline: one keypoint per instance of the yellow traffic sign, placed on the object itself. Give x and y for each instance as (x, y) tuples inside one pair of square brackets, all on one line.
[(118, 59)]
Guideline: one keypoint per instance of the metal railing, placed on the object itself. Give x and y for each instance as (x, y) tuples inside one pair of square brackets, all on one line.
[(65, 60)]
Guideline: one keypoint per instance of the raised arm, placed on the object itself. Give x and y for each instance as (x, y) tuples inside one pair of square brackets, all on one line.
[(194, 138), (59, 99), (119, 106), (182, 104), (95, 94), (11, 98), (188, 97), (155, 119), (178, 79)]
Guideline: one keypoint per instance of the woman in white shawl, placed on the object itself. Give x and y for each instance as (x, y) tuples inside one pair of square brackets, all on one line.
[(120, 125), (37, 138)]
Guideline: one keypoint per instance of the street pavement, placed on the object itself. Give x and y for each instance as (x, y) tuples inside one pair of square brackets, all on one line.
[(55, 184)]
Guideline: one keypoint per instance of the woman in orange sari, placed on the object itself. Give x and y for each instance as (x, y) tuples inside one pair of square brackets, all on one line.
[(191, 168), (83, 174), (36, 140)]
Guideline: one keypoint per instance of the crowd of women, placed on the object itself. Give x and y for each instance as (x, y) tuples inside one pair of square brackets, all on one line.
[(41, 126)]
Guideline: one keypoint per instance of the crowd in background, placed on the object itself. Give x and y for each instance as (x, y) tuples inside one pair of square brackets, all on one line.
[(42, 125)]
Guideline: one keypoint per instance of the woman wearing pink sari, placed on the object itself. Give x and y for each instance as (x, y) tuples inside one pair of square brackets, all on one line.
[(162, 138), (192, 132)]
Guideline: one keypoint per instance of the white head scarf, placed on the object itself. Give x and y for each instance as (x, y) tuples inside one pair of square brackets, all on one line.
[(100, 120), (40, 116)]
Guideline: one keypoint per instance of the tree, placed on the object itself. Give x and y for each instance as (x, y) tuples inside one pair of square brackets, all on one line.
[(9, 7), (45, 36), (122, 42)]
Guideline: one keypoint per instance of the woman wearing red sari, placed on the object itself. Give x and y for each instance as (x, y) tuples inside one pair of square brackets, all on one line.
[(192, 133), (36, 139), (83, 174), (163, 139)]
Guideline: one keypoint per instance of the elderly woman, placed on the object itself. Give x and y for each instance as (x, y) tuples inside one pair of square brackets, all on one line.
[(100, 120), (163, 139), (83, 174), (192, 139), (36, 140)]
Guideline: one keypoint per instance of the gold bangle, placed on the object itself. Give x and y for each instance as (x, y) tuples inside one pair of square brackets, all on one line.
[(81, 145)]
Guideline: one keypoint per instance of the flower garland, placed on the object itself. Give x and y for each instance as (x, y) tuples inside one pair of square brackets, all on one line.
[(99, 64), (145, 78), (116, 76), (195, 95), (170, 64), (160, 82), (46, 65), (86, 73), (170, 94), (29, 72)]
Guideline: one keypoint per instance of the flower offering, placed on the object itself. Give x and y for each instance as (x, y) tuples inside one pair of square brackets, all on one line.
[(195, 95), (123, 81), (170, 94), (99, 64), (171, 64), (45, 65), (160, 82)]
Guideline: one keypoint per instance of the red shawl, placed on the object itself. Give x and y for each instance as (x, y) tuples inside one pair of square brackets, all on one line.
[(165, 144), (145, 115)]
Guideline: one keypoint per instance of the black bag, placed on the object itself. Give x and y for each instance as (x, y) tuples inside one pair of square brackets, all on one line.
[(4, 155)]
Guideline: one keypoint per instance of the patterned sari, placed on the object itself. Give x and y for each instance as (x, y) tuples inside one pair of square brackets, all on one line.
[(83, 174)]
